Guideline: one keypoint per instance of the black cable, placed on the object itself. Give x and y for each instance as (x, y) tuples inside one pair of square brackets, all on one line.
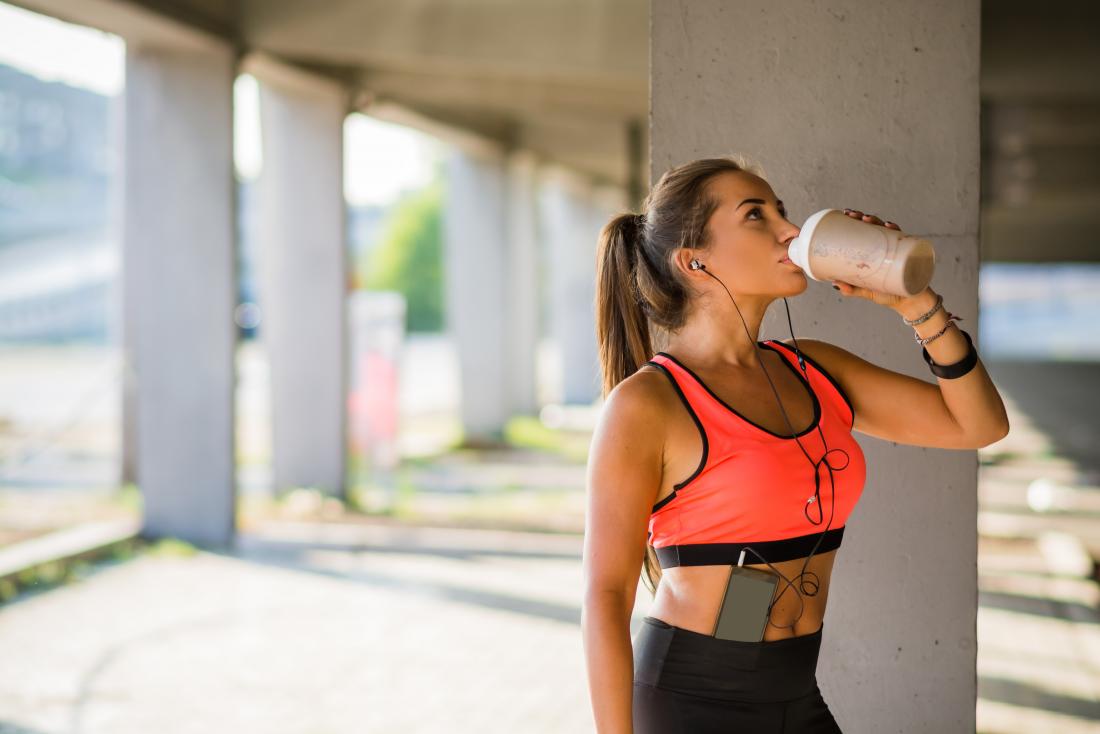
[(816, 498)]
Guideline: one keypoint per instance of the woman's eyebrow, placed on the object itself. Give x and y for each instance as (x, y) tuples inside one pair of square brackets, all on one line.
[(778, 203)]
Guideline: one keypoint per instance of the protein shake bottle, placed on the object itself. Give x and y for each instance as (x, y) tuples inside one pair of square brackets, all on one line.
[(834, 246)]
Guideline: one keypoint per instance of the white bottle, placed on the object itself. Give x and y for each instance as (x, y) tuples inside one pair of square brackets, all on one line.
[(835, 246)]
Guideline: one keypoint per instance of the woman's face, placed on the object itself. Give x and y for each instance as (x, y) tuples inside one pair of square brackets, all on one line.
[(749, 235)]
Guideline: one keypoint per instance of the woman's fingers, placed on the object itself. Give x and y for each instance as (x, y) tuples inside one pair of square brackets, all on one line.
[(857, 214), (853, 291)]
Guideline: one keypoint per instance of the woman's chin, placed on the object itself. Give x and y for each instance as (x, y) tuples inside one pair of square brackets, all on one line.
[(800, 285)]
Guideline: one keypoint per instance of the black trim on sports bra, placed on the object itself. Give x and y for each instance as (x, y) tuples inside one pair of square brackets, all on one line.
[(702, 434), (822, 370), (724, 554), (791, 367)]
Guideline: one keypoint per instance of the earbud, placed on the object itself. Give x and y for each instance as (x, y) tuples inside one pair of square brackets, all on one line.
[(696, 265)]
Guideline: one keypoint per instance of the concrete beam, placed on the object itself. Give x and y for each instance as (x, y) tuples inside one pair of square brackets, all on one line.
[(578, 40), (135, 22)]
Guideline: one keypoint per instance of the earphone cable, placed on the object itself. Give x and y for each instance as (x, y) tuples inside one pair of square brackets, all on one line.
[(816, 498)]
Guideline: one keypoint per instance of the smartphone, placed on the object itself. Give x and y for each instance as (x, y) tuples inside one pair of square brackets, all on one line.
[(744, 611)]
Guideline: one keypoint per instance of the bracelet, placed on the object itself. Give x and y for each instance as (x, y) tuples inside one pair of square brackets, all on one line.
[(921, 319), (925, 340), (958, 369)]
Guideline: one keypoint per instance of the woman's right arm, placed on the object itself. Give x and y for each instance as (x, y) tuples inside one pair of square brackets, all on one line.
[(623, 477)]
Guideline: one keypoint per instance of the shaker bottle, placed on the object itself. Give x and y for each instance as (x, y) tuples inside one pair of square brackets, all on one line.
[(834, 246)]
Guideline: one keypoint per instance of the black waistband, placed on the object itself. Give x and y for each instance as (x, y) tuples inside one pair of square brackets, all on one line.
[(773, 551), (696, 664)]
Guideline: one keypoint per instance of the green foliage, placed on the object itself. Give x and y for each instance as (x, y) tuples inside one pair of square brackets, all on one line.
[(523, 431), (409, 259), (171, 547)]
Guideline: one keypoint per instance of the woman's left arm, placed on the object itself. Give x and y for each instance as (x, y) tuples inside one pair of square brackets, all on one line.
[(963, 412)]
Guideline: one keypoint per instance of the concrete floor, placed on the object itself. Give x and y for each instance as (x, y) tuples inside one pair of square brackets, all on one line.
[(312, 628)]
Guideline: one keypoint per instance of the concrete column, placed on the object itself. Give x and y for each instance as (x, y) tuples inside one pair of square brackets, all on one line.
[(873, 106), (179, 287), (522, 284), (570, 230), (476, 264), (303, 274)]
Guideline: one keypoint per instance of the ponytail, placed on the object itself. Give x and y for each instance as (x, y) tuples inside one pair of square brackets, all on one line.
[(622, 328)]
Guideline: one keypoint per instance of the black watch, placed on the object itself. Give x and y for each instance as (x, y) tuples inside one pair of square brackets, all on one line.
[(960, 368)]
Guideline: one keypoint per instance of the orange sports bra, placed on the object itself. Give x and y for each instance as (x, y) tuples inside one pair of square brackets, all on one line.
[(752, 485)]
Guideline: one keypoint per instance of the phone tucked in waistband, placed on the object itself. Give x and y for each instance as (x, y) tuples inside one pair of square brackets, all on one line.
[(745, 606)]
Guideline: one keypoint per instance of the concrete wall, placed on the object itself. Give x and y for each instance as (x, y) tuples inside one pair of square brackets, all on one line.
[(872, 106)]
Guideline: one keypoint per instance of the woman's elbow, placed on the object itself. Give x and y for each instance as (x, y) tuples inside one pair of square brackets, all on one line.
[(997, 434)]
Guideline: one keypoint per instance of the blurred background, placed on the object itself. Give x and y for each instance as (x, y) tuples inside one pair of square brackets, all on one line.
[(295, 439)]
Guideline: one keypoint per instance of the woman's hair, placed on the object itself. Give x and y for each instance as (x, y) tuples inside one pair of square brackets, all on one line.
[(638, 289)]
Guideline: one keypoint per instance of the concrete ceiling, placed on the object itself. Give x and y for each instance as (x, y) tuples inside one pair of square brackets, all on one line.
[(565, 78), (569, 79)]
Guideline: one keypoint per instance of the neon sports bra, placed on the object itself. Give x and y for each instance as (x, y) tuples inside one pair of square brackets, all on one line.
[(751, 485)]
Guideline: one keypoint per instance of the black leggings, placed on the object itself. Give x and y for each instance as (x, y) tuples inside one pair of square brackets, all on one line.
[(686, 682)]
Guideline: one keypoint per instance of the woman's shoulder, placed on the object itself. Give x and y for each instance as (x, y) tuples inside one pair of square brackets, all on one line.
[(644, 396)]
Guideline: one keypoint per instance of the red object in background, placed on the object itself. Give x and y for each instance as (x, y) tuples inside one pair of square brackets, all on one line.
[(373, 404)]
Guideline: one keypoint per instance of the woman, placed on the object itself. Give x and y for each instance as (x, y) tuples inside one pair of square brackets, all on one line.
[(721, 450)]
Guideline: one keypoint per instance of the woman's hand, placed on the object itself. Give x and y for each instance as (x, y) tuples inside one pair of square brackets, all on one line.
[(847, 289)]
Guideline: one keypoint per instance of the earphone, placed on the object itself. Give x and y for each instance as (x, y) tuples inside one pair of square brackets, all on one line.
[(815, 498)]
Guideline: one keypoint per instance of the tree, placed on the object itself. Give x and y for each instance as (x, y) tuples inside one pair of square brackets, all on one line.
[(409, 258)]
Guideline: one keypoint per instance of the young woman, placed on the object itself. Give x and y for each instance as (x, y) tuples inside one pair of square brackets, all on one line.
[(720, 450)]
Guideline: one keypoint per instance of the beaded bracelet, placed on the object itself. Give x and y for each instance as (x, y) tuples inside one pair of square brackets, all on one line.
[(958, 369)]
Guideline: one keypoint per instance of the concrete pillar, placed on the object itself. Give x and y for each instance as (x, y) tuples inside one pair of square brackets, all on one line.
[(872, 106), (303, 274), (522, 286), (476, 264), (570, 230), (179, 287)]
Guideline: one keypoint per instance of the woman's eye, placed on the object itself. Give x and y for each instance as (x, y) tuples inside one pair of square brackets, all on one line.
[(758, 210)]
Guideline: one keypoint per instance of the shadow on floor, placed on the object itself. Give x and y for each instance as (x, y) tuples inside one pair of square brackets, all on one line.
[(1061, 399)]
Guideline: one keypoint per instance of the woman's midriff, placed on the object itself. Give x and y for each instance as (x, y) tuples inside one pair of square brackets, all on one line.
[(690, 596)]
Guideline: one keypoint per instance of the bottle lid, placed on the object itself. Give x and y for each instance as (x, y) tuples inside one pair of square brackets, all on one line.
[(799, 249)]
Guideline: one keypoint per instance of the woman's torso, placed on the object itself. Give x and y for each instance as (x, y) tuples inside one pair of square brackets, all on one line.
[(748, 483)]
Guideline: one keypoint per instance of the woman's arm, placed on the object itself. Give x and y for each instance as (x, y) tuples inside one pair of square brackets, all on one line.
[(961, 413), (623, 477)]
